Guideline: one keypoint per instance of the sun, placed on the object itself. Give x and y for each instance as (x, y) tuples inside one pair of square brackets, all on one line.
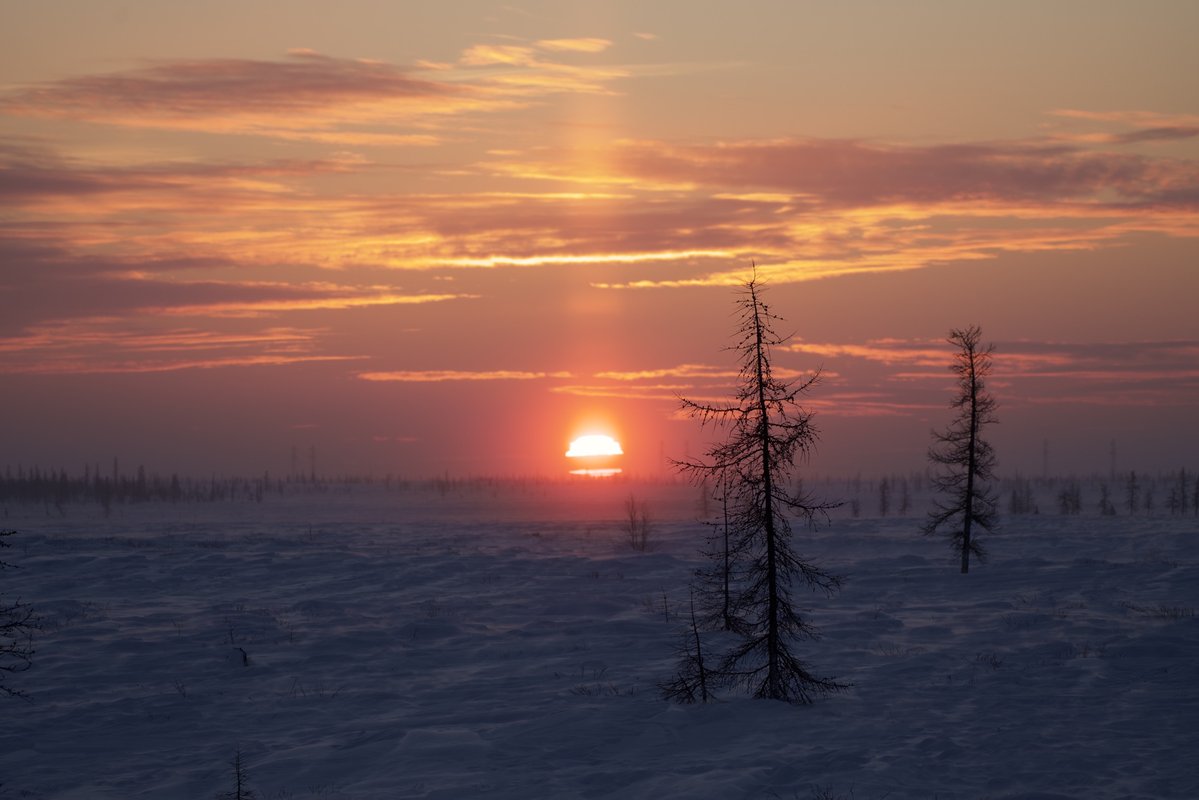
[(594, 444), (595, 455)]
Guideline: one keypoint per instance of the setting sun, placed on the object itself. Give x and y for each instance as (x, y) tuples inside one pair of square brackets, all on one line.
[(596, 455), (594, 444)]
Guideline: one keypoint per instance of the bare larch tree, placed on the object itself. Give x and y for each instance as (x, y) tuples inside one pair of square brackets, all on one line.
[(965, 460), (755, 467)]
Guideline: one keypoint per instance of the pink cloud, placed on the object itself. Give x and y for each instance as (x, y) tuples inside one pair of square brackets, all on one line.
[(313, 96), (848, 173)]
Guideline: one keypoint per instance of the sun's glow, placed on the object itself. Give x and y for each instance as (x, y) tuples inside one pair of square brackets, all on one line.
[(594, 444)]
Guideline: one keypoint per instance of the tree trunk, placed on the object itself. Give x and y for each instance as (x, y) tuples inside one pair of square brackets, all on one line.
[(773, 680), (970, 465)]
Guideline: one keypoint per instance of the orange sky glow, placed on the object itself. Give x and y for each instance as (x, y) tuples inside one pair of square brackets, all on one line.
[(430, 238)]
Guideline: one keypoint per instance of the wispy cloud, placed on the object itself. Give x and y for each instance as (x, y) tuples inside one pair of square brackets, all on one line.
[(140, 366), (209, 239), (584, 258), (110, 345), (867, 404), (1098, 363), (532, 68), (848, 173), (694, 372), (306, 93), (883, 351), (309, 95), (1125, 127), (1027, 372), (801, 209), (695, 381), (1015, 357), (88, 287), (580, 45), (308, 297), (680, 371), (655, 392), (806, 209), (443, 375), (1142, 119)]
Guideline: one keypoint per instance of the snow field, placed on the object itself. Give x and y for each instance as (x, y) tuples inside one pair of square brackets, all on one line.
[(438, 647)]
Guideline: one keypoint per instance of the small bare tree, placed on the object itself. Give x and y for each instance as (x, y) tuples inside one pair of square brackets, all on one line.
[(17, 624), (638, 523), (965, 459), (1132, 492), (767, 432), (241, 789), (691, 682)]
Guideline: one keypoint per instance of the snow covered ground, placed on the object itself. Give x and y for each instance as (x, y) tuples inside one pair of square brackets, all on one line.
[(504, 641)]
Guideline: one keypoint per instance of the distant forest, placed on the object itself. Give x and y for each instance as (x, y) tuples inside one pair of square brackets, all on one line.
[(1165, 493)]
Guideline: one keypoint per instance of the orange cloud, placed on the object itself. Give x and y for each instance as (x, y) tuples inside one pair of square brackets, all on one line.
[(655, 392), (693, 371), (587, 258), (442, 375), (481, 55), (793, 236), (884, 351), (681, 215), (583, 45), (806, 209), (681, 371)]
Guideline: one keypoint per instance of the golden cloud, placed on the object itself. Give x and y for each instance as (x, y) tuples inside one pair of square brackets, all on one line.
[(582, 45)]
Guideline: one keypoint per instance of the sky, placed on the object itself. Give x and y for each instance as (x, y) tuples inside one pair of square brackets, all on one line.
[(447, 238)]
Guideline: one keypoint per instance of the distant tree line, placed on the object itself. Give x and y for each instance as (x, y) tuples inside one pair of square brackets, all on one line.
[(1168, 492), (56, 489), (1175, 493)]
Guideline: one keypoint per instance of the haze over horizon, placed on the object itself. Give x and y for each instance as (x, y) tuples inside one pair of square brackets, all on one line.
[(453, 237)]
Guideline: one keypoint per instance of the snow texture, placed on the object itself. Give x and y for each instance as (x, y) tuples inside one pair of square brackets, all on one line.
[(504, 641)]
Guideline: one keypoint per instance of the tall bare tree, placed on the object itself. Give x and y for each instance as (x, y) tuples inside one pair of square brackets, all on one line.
[(755, 466), (965, 460)]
